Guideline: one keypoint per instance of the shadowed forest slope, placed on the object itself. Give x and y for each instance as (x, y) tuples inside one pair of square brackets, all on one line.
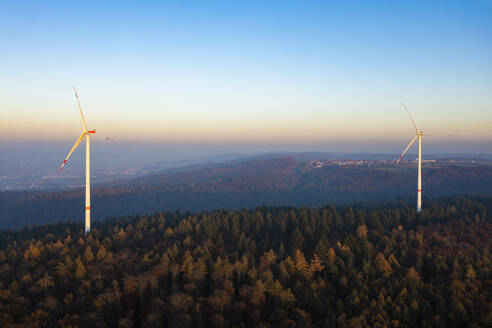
[(277, 182)]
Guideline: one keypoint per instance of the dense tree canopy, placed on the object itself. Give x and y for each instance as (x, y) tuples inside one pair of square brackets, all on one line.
[(267, 267)]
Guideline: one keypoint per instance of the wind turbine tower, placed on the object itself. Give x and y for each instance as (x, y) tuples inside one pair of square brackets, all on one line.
[(419, 160), (85, 134)]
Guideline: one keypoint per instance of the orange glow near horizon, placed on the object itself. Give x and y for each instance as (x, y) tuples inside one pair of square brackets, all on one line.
[(49, 119), (233, 131)]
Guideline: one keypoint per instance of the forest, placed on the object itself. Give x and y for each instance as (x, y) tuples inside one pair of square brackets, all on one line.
[(328, 266), (273, 182)]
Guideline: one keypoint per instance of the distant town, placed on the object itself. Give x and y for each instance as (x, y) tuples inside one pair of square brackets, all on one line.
[(340, 162), (385, 163)]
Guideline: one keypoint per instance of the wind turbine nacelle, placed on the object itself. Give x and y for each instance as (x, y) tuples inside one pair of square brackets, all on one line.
[(91, 132)]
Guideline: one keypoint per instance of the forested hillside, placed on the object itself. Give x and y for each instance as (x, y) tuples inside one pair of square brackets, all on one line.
[(276, 182), (268, 267)]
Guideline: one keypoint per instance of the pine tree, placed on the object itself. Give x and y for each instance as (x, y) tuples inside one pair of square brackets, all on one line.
[(80, 271), (88, 255), (382, 265)]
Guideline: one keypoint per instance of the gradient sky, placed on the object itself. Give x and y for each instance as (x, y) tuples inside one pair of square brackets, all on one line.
[(249, 75)]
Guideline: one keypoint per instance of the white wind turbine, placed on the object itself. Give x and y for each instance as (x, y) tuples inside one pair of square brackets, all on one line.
[(419, 179), (85, 133)]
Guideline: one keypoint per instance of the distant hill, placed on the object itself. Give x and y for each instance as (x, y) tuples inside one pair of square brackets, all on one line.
[(246, 184)]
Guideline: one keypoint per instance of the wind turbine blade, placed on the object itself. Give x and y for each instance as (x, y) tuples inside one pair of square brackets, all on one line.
[(73, 148), (403, 153), (80, 109), (415, 125)]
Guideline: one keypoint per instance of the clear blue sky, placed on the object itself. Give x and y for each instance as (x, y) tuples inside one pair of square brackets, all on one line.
[(250, 75)]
